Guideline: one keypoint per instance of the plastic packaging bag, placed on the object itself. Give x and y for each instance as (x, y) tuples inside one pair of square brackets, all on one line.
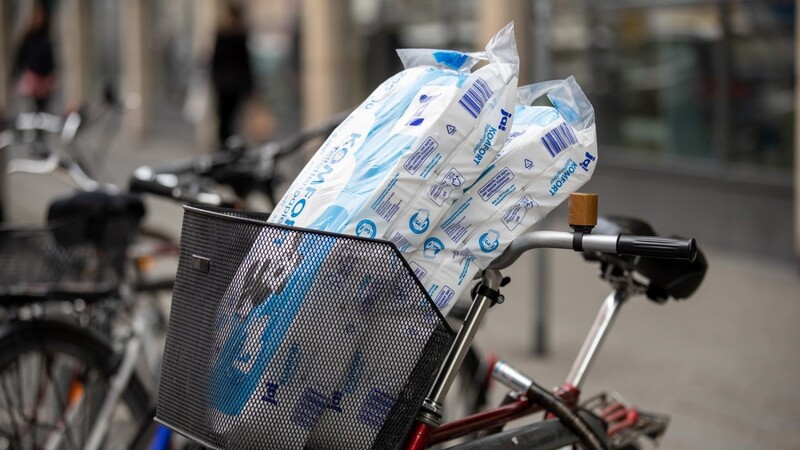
[(457, 146), (403, 135), (551, 152), (390, 132)]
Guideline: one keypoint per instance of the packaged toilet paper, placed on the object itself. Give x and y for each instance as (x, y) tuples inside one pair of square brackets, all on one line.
[(459, 144), (550, 152), (428, 117), (414, 122), (255, 315), (292, 345), (311, 362)]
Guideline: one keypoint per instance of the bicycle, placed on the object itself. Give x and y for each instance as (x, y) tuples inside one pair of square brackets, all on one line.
[(242, 377), (80, 164), (87, 342), (76, 342), (65, 303), (663, 280), (493, 424)]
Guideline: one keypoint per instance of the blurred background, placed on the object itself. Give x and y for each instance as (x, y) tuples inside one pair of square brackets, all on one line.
[(694, 96), (695, 103)]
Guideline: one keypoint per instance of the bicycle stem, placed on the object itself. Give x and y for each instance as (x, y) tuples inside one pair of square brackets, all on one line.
[(597, 335)]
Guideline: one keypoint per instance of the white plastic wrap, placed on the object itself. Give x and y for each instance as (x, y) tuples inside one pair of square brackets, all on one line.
[(404, 139), (456, 149), (551, 152), (375, 162)]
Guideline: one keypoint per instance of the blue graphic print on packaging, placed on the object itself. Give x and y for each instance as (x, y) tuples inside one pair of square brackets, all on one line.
[(452, 60), (257, 334)]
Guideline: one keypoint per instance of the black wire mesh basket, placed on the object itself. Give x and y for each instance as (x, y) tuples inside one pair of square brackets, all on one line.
[(56, 262), (282, 337)]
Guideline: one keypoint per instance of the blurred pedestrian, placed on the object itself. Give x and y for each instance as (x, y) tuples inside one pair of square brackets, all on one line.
[(231, 72), (34, 63)]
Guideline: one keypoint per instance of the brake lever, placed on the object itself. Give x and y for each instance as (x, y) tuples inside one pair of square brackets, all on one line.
[(6, 138), (40, 166)]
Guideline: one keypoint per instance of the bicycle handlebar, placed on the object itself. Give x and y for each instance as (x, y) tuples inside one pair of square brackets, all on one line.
[(40, 121), (152, 183), (296, 141), (71, 170), (645, 246), (224, 167)]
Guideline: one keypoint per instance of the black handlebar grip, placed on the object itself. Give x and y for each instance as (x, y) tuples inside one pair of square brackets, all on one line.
[(137, 184), (657, 247)]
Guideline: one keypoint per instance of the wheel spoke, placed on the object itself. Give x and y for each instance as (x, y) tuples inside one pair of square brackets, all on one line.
[(41, 386), (20, 398), (52, 386), (61, 409), (88, 399), (10, 410)]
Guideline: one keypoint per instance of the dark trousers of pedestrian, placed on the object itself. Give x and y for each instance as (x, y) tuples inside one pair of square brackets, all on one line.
[(227, 106)]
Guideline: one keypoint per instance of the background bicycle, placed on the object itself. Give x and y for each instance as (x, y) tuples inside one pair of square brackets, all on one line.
[(80, 345), (84, 266)]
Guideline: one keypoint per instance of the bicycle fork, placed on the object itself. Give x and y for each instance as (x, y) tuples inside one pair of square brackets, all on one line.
[(517, 381), (626, 423), (430, 416)]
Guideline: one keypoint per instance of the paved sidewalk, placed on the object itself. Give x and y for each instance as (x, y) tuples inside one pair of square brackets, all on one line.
[(725, 364)]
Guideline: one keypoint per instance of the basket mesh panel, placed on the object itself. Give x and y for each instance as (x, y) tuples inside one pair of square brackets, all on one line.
[(288, 338)]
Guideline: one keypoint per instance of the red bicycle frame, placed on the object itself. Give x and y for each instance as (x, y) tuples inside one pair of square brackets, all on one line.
[(426, 430), (423, 435)]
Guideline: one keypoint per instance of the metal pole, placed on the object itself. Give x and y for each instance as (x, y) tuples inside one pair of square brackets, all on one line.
[(542, 10), (480, 305), (722, 75), (5, 90), (326, 66), (75, 29), (431, 412), (797, 137), (492, 15), (541, 329), (137, 63)]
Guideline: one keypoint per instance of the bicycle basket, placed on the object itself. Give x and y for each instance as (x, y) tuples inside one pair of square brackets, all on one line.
[(288, 338), (36, 263)]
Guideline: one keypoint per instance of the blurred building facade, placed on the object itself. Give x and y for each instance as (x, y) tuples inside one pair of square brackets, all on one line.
[(695, 99)]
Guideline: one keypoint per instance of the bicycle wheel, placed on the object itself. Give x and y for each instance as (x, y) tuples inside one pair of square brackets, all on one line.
[(54, 377)]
